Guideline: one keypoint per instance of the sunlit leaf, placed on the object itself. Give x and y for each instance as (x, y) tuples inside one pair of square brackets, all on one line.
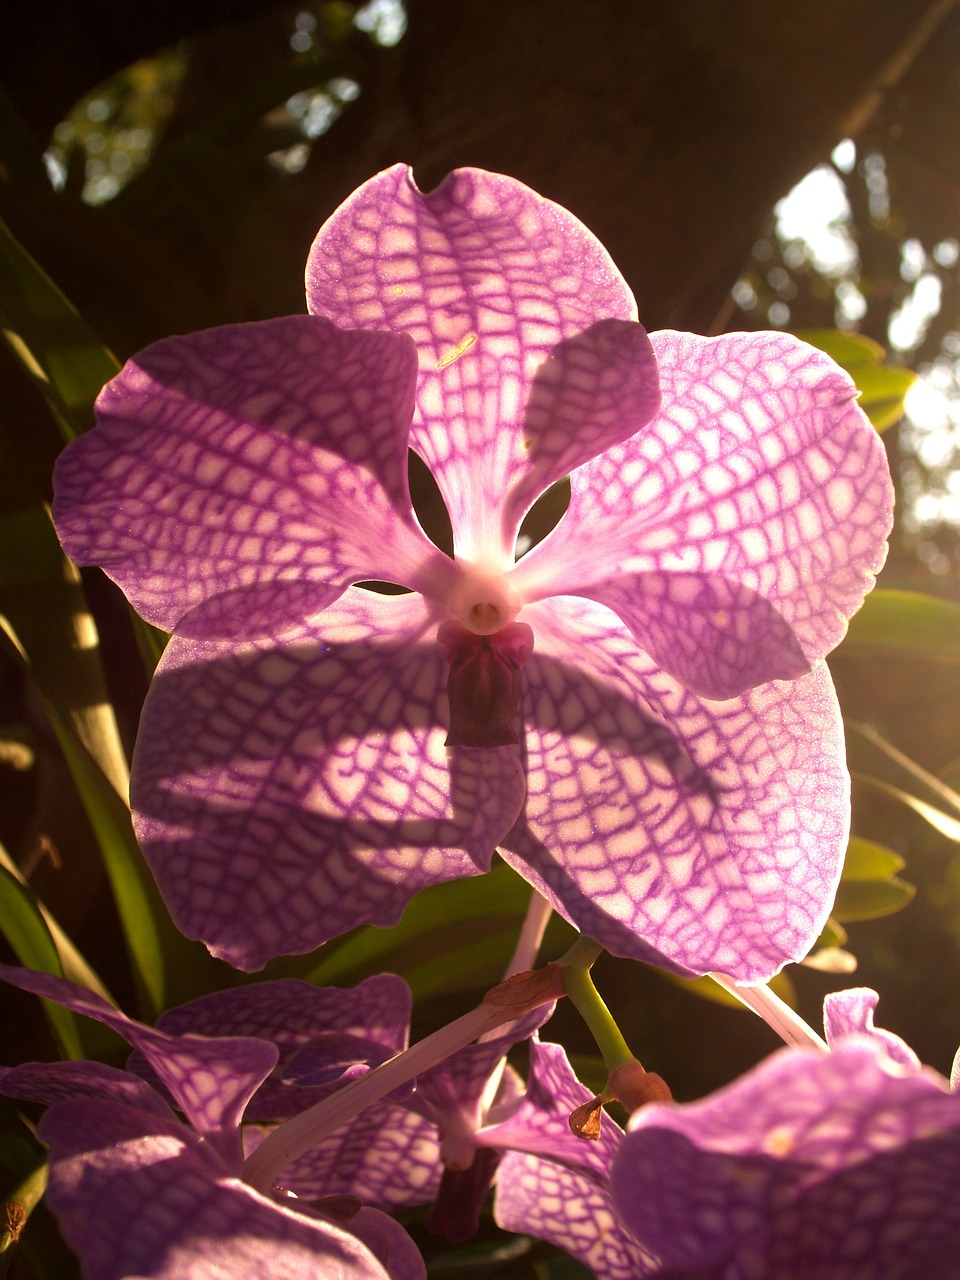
[(49, 338), (835, 960), (943, 822), (866, 860), (138, 902), (23, 926), (73, 965), (882, 386), (912, 621), (869, 899)]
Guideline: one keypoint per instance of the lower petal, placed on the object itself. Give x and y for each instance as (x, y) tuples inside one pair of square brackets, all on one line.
[(693, 834), (286, 792)]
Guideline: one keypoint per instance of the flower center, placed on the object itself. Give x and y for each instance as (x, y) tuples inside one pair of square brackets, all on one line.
[(485, 602)]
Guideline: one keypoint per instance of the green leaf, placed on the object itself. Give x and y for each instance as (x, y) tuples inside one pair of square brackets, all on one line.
[(73, 965), (910, 621), (51, 341), (138, 901), (869, 886), (882, 386), (496, 902), (25, 929), (866, 860), (869, 899)]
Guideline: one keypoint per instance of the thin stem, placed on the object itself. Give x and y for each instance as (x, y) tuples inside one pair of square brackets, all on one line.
[(535, 923), (789, 1026), (578, 985), (505, 1003), (525, 952)]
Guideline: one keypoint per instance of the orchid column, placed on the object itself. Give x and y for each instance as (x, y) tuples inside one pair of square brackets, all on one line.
[(636, 713)]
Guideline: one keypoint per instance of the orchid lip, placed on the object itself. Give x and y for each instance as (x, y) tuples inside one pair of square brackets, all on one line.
[(484, 602)]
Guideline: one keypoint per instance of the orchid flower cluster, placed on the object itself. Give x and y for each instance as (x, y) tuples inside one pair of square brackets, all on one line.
[(635, 712)]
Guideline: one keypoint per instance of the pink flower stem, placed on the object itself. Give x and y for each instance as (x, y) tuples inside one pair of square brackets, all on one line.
[(789, 1026), (502, 1004)]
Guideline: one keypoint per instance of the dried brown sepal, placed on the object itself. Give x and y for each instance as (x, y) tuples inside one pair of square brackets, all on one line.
[(585, 1121), (634, 1087), (14, 1218)]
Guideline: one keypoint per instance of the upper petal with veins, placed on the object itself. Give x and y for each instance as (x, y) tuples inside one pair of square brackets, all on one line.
[(488, 278)]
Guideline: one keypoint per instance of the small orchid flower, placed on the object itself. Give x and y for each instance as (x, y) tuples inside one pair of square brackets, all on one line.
[(840, 1166), (636, 712), (141, 1192)]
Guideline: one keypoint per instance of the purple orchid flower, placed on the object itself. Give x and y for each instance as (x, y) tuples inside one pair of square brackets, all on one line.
[(814, 1166), (175, 1205), (636, 712)]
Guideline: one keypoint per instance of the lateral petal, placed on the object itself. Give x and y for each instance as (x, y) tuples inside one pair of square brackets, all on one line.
[(739, 531), (244, 475)]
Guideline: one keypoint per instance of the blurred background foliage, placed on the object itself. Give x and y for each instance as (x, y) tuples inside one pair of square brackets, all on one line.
[(164, 167)]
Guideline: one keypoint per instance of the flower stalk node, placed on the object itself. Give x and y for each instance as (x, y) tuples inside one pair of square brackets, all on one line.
[(631, 1085)]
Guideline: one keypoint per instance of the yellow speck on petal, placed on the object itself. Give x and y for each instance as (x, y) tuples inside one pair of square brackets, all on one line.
[(721, 619), (399, 290), (456, 352), (778, 1142)]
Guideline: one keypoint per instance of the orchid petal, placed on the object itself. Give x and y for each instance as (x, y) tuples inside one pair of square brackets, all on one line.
[(290, 1012), (452, 1094), (139, 1197), (388, 1157), (740, 530), (700, 836), (51, 1082), (245, 475), (540, 1126), (809, 1165), (293, 1015), (850, 1013), (488, 277), (286, 793), (388, 1242), (211, 1079), (554, 1203)]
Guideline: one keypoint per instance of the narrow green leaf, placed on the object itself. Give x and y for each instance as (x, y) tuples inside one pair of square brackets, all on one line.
[(882, 386), (49, 338), (940, 821), (25, 929), (911, 621), (138, 902), (939, 788), (74, 966), (134, 892)]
